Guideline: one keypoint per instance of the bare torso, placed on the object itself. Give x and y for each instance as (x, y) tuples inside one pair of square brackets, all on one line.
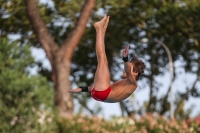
[(120, 90)]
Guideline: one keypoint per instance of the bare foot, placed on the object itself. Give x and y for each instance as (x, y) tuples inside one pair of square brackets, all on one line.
[(102, 24)]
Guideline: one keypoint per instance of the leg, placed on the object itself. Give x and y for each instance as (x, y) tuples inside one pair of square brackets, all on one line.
[(102, 75)]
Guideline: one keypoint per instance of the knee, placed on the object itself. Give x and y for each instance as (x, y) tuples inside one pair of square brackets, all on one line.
[(100, 52), (102, 60)]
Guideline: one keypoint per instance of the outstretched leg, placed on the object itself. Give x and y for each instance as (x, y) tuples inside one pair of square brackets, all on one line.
[(102, 75)]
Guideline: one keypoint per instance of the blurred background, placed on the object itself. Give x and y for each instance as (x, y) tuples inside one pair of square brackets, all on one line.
[(48, 47)]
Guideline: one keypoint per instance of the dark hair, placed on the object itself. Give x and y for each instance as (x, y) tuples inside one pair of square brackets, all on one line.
[(139, 66)]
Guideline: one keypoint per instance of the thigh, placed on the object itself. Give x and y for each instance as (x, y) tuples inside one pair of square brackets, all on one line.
[(102, 75)]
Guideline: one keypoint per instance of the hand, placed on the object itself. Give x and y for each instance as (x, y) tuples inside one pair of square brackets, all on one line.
[(125, 51), (77, 90)]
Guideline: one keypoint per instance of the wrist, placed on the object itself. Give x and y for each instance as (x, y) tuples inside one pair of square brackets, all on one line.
[(84, 89), (125, 59)]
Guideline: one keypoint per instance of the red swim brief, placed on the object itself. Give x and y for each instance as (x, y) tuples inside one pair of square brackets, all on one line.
[(100, 95)]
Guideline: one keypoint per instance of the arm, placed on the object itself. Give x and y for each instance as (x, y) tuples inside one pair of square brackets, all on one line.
[(80, 89), (128, 66), (129, 74), (77, 90)]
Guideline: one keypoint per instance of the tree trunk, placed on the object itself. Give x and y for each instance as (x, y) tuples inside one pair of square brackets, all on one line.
[(63, 99), (150, 104), (122, 107)]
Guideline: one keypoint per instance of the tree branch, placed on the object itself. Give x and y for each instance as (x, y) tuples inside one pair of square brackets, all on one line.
[(184, 96), (44, 37), (75, 35)]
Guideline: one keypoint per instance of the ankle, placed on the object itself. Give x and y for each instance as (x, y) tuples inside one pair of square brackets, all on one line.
[(99, 30)]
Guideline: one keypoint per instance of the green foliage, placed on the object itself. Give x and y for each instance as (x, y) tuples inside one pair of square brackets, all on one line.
[(26, 101), (13, 20)]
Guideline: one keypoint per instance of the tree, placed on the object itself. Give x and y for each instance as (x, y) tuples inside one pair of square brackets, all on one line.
[(22, 96), (60, 56)]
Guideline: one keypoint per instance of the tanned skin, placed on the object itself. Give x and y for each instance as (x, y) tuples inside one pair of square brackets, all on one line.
[(120, 90)]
